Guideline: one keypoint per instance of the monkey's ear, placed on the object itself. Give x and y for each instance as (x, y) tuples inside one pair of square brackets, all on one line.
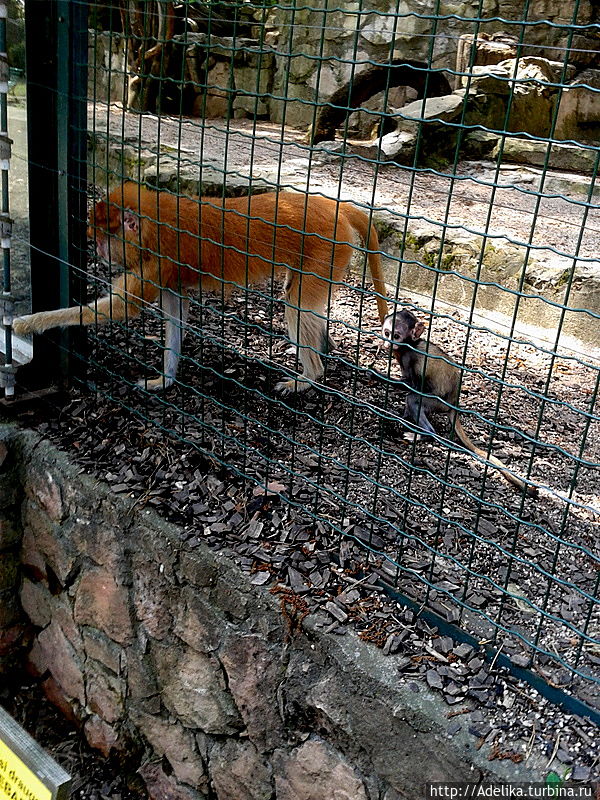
[(130, 221), (418, 330)]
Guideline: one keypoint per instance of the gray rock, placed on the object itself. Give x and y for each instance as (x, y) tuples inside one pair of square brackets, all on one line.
[(195, 691), (562, 156), (579, 109), (237, 770), (315, 771), (443, 109)]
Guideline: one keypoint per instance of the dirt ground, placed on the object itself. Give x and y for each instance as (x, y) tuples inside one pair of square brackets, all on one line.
[(93, 777), (509, 203)]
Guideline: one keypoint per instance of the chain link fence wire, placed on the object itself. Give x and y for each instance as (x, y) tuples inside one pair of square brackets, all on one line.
[(469, 135)]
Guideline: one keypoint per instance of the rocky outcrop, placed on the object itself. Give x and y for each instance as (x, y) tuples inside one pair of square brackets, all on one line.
[(320, 52), (509, 280), (579, 110)]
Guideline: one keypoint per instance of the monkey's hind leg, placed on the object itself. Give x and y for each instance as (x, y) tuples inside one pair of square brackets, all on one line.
[(306, 328), (415, 412), (175, 310)]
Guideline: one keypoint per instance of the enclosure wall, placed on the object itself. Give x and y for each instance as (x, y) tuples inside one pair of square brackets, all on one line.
[(159, 648)]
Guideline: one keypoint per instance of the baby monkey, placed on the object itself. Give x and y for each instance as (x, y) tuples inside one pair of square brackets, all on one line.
[(432, 376)]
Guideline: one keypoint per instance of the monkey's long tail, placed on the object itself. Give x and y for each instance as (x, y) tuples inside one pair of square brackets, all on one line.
[(360, 222), (514, 479)]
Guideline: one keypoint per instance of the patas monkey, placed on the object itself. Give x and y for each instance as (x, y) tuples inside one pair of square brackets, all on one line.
[(170, 245)]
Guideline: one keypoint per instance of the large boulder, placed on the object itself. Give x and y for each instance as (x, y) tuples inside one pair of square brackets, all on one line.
[(579, 109), (531, 83), (570, 157)]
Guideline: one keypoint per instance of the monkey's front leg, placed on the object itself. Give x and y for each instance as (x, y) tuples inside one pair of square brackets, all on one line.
[(176, 310), (60, 318), (128, 293)]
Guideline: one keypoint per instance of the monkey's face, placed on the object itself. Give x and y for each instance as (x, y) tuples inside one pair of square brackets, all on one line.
[(400, 328), (111, 228)]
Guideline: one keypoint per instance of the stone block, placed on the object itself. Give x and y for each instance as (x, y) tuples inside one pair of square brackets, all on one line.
[(62, 614), (562, 156), (141, 679), (105, 693), (108, 73), (101, 542), (99, 647), (314, 771), (153, 598), (579, 110), (46, 538), (37, 602), (102, 603), (435, 109), (195, 691), (57, 696), (253, 84), (101, 735), (44, 488), (200, 569), (32, 560), (197, 623), (237, 770), (479, 144), (62, 661), (255, 675), (165, 787), (36, 664), (172, 740), (215, 102), (230, 595)]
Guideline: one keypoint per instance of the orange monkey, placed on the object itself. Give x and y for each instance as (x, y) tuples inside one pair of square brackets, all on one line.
[(169, 245)]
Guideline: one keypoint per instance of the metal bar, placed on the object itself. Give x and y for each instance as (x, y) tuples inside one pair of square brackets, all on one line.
[(56, 36), (7, 370)]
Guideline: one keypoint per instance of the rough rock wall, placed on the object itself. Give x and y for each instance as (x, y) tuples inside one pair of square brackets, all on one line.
[(322, 45), (167, 655)]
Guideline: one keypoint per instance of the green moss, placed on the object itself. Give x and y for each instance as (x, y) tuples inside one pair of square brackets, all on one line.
[(563, 279), (411, 241), (444, 264)]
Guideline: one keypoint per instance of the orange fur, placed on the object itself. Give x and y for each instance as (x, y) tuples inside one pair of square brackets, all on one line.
[(167, 242)]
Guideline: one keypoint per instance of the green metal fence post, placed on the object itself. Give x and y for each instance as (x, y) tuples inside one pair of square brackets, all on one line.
[(56, 33)]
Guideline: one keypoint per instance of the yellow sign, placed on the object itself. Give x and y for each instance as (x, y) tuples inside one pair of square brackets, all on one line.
[(17, 781)]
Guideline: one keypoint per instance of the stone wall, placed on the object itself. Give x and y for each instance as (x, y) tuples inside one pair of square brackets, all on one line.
[(323, 47), (108, 79), (169, 657), (12, 627), (298, 59)]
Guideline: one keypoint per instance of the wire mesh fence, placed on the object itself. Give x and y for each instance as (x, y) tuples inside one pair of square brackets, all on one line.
[(454, 147)]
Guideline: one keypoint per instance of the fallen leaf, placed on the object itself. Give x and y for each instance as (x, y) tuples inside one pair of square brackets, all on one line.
[(273, 487)]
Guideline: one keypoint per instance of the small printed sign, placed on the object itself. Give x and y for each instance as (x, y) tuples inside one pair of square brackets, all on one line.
[(27, 772)]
